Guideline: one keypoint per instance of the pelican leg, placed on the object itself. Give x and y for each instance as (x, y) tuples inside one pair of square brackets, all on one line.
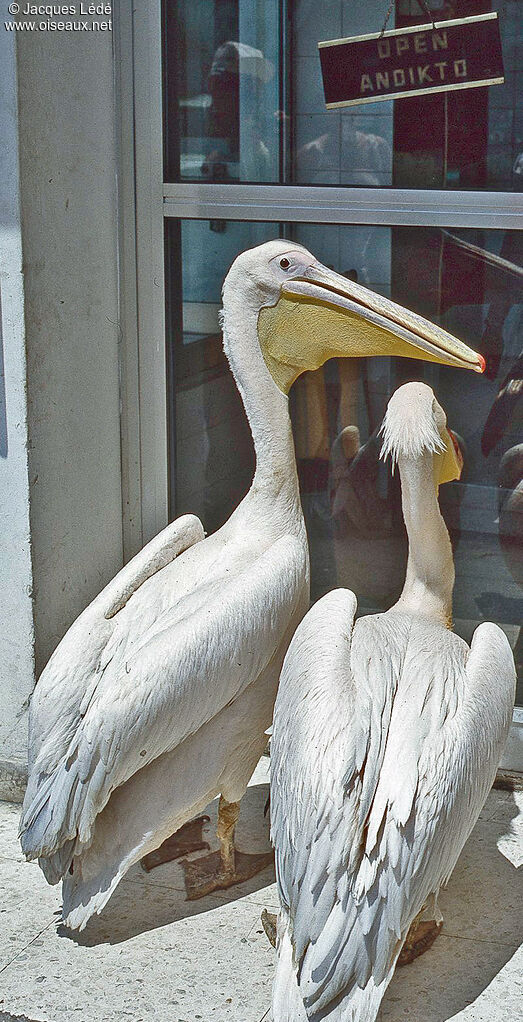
[(228, 813), (422, 932), (188, 838), (226, 867)]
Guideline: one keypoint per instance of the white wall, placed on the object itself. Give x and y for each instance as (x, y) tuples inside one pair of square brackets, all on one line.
[(16, 621), (69, 232), (60, 475)]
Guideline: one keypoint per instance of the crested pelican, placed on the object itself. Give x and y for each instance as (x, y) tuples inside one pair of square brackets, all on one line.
[(386, 737), (159, 695)]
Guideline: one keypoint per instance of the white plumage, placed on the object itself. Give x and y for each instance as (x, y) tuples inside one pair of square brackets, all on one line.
[(386, 738), (159, 695)]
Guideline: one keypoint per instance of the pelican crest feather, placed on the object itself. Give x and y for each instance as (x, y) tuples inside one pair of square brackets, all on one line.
[(412, 424)]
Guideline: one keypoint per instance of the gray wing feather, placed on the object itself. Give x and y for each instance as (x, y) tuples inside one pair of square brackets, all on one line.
[(177, 681), (381, 761), (66, 686)]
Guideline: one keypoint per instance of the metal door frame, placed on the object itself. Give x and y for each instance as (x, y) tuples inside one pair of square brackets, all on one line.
[(145, 201)]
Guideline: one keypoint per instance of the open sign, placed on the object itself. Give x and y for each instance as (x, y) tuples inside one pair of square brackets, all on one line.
[(460, 54)]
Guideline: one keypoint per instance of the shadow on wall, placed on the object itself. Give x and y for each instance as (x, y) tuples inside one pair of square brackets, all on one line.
[(3, 407)]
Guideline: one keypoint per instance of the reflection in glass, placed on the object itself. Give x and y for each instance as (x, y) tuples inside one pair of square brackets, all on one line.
[(470, 282), (244, 101), (222, 90)]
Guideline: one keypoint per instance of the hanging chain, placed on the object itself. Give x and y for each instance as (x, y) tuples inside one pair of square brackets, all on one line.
[(421, 3), (426, 10), (387, 16)]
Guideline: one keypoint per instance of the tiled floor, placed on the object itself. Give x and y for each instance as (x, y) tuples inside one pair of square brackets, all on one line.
[(153, 956)]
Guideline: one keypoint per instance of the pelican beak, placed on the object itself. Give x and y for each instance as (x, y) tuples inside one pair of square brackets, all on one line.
[(451, 465), (322, 315)]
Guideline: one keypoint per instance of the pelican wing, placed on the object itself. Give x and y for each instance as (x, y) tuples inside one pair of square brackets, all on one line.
[(147, 700), (72, 673), (328, 744), (457, 756), (388, 785)]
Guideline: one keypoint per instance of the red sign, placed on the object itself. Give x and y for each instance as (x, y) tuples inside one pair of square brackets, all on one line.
[(460, 54)]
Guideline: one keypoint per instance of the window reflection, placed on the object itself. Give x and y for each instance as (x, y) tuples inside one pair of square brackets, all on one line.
[(222, 90), (244, 101), (470, 282)]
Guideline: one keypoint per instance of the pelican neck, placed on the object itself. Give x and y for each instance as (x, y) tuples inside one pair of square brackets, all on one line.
[(267, 409), (429, 579)]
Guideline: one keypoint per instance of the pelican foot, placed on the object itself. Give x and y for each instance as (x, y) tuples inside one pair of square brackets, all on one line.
[(269, 922), (420, 937), (208, 874), (188, 838)]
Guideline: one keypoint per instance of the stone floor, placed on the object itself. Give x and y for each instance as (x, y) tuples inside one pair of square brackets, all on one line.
[(153, 956)]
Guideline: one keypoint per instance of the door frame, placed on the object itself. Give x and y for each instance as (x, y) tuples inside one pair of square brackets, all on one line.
[(146, 201)]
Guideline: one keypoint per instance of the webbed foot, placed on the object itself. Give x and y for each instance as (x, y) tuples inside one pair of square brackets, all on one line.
[(420, 937), (202, 876), (269, 922), (188, 838)]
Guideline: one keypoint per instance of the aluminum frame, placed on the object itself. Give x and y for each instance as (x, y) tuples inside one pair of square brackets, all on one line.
[(145, 200), (144, 433), (321, 204), (128, 297)]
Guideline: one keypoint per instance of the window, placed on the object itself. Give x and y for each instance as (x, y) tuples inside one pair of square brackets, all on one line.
[(470, 282), (417, 198), (244, 101)]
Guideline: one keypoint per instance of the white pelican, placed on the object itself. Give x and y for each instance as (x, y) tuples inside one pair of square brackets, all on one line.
[(386, 737), (159, 695)]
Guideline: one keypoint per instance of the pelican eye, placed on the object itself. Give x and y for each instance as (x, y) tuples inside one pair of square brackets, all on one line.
[(285, 263)]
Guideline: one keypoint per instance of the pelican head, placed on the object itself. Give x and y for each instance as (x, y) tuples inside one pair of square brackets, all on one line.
[(308, 314), (415, 424)]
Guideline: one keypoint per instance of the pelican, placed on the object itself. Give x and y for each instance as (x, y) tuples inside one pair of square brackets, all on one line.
[(386, 737), (158, 697)]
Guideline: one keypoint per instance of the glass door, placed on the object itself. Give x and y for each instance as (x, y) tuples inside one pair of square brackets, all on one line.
[(244, 101), (416, 199)]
